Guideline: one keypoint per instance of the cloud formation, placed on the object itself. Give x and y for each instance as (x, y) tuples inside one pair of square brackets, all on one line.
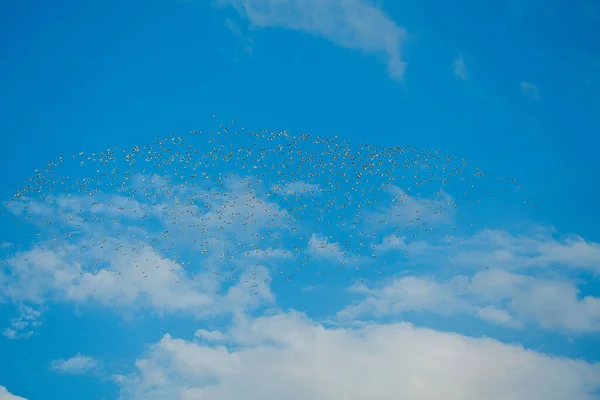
[(534, 249), (353, 24), (495, 295), (76, 365), (146, 279), (290, 356), (24, 325), (6, 395)]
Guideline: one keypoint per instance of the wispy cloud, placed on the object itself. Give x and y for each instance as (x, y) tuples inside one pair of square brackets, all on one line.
[(25, 324), (498, 316), (529, 89), (245, 42), (496, 296), (352, 24), (76, 365), (210, 335), (460, 69), (527, 250)]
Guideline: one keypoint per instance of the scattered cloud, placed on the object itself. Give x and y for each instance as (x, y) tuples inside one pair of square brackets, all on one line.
[(134, 269), (460, 69), (529, 89), (290, 356), (322, 248), (353, 24), (404, 208), (537, 248), (495, 295), (24, 325), (402, 243), (76, 365), (146, 279), (6, 395)]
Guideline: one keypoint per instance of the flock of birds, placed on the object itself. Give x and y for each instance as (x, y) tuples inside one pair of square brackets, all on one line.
[(231, 199)]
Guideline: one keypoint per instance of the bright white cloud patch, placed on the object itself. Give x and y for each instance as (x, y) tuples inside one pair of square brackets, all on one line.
[(354, 24), (76, 365), (289, 356), (6, 395)]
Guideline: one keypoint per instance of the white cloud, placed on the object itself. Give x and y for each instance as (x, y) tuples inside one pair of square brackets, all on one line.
[(495, 296), (416, 210), (24, 325), (76, 365), (145, 278), (121, 265), (402, 243), (406, 294), (42, 273), (529, 89), (6, 395), (289, 356), (557, 305), (460, 69), (210, 335), (498, 316), (353, 24), (531, 249), (322, 248)]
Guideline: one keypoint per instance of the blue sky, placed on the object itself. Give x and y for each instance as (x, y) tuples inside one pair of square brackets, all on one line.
[(513, 87)]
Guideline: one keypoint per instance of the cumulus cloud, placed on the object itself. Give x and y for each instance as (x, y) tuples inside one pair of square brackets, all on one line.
[(76, 365), (353, 24), (290, 356), (496, 296), (6, 395)]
